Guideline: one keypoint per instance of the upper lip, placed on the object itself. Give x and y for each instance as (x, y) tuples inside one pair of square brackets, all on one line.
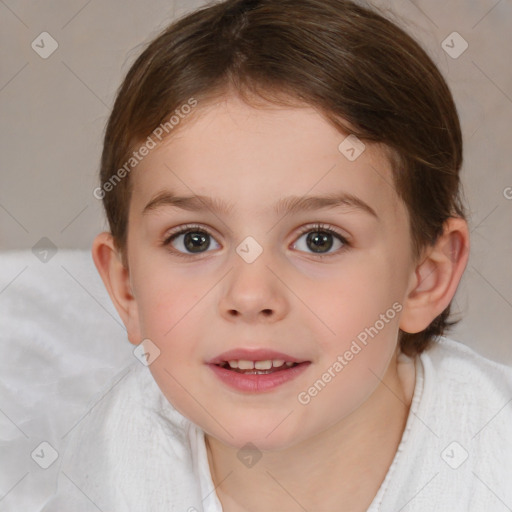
[(260, 354)]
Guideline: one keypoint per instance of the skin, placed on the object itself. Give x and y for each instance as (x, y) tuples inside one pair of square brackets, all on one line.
[(198, 306)]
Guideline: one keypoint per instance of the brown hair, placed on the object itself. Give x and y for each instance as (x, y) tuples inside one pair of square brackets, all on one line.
[(348, 61)]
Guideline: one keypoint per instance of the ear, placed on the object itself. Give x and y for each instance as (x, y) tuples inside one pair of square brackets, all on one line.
[(434, 281), (116, 278)]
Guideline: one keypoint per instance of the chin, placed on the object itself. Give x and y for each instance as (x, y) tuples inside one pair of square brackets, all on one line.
[(255, 435)]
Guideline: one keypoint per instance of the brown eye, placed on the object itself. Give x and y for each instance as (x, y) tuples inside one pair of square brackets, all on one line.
[(320, 241), (190, 241)]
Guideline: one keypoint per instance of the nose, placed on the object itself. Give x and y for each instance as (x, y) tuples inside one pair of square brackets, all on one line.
[(253, 293)]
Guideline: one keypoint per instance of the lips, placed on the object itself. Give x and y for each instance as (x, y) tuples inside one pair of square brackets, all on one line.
[(256, 381), (256, 370)]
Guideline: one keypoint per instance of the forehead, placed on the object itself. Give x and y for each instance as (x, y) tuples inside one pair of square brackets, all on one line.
[(248, 158)]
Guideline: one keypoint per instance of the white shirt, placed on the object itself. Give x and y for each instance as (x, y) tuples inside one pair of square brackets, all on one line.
[(135, 452)]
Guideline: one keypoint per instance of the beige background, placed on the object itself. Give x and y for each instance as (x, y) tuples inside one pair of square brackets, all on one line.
[(53, 112)]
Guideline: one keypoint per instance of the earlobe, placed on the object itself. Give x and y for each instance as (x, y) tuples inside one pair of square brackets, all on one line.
[(116, 278), (436, 277)]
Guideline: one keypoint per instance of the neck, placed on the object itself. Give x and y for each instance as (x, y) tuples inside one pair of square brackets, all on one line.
[(350, 458)]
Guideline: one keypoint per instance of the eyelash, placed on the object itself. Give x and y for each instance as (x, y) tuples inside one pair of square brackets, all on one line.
[(325, 228)]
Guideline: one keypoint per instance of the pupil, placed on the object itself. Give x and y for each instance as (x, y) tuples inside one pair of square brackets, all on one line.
[(321, 240), (195, 242)]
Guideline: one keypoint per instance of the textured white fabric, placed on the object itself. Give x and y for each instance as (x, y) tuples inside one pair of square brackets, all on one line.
[(136, 453), (62, 342), (456, 450)]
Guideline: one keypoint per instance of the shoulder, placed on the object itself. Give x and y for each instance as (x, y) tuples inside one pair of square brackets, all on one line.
[(131, 434), (467, 393), (457, 436), (128, 412), (457, 365), (130, 404)]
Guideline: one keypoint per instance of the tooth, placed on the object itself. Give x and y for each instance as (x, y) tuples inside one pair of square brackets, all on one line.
[(288, 363), (276, 363), (245, 365), (263, 365), (233, 364)]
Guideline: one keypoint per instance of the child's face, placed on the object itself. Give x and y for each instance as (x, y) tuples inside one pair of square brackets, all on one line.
[(196, 301)]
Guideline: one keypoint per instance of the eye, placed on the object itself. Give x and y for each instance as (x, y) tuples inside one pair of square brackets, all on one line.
[(189, 240), (320, 239), (193, 239)]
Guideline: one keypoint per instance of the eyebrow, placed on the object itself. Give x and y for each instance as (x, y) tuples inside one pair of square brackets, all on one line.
[(290, 204)]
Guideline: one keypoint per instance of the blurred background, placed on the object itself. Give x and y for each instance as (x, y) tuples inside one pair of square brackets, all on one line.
[(62, 62)]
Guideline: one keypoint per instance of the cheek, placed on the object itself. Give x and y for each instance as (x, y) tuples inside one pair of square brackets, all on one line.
[(358, 333), (351, 299), (170, 313), (166, 298)]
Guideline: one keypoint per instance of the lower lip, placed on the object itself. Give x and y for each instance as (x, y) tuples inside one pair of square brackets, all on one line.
[(257, 383)]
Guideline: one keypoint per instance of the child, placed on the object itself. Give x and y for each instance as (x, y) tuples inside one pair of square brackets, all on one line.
[(281, 181)]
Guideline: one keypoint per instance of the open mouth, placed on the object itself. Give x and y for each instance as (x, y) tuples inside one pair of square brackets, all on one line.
[(256, 376)]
